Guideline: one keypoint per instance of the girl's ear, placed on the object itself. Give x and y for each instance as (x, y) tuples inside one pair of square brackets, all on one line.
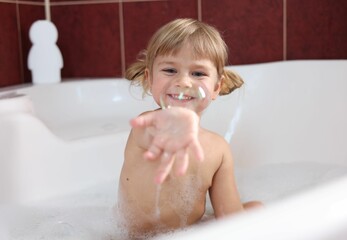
[(217, 88), (146, 74), (147, 78)]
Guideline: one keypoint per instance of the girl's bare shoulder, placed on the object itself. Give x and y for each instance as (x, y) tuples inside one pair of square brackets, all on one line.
[(212, 139), (205, 133)]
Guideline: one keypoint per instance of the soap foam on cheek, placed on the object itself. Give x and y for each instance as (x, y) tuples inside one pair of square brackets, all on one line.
[(195, 98)]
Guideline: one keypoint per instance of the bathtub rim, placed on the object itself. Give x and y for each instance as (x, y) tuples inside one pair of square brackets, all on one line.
[(69, 80)]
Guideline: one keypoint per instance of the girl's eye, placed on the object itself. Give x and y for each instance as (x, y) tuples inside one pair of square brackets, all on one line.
[(169, 70), (199, 74)]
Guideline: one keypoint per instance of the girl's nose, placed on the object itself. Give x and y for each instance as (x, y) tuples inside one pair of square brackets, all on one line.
[(184, 82)]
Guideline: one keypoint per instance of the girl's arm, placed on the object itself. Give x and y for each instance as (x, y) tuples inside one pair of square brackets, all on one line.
[(224, 195)]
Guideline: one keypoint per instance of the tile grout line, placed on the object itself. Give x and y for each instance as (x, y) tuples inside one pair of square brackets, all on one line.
[(18, 2), (20, 52), (85, 2), (121, 36), (47, 10), (199, 10), (284, 30), (67, 3)]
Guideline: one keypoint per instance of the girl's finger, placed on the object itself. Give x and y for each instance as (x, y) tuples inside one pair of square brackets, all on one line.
[(181, 162), (197, 150), (164, 168), (152, 153), (144, 120)]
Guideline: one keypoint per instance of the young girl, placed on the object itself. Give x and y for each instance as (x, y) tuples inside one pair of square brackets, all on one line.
[(184, 161)]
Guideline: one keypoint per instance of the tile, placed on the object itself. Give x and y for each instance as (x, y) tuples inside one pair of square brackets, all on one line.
[(88, 40), (317, 29), (253, 30), (64, 0), (28, 15), (10, 65), (31, 2), (76, 1), (142, 19)]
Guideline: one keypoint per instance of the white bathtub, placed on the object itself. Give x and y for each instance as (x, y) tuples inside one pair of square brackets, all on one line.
[(62, 149)]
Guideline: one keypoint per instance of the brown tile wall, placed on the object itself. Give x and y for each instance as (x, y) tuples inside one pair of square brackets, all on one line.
[(317, 29), (253, 30), (10, 59), (99, 38)]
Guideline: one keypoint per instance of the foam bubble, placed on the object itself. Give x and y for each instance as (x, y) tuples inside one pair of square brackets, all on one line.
[(90, 214)]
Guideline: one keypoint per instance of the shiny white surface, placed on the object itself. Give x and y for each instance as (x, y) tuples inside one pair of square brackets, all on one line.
[(65, 137), (286, 126)]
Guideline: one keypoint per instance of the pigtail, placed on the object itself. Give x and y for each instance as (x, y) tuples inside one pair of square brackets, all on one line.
[(231, 81), (136, 71)]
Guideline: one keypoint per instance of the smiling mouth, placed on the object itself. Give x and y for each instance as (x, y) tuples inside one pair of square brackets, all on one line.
[(181, 97)]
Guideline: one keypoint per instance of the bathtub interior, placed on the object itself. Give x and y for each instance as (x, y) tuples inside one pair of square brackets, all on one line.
[(89, 109), (64, 137), (286, 128), (291, 127)]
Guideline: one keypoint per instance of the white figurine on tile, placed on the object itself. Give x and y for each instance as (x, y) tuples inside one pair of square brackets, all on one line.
[(45, 59)]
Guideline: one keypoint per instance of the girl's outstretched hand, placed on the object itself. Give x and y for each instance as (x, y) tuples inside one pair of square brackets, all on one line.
[(173, 132)]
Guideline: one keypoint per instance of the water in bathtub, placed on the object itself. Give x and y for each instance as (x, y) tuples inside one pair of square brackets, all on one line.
[(90, 214)]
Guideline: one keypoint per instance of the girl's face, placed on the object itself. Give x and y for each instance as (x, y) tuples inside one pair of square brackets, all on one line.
[(172, 73)]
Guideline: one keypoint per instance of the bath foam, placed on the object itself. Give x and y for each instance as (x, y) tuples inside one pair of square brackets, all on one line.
[(85, 215), (89, 214), (186, 196), (181, 202)]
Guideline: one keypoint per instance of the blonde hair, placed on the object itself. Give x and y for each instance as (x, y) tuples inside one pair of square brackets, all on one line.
[(206, 41)]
